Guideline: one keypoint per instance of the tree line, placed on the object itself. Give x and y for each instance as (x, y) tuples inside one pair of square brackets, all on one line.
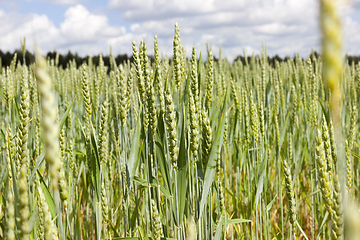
[(64, 60)]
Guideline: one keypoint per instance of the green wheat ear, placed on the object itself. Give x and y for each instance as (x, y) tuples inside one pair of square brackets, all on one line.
[(332, 53), (254, 119), (206, 137), (23, 138), (177, 56), (290, 193), (10, 213), (103, 135), (23, 205), (209, 80), (325, 184), (156, 222), (170, 120), (194, 127), (87, 100), (47, 223), (49, 115)]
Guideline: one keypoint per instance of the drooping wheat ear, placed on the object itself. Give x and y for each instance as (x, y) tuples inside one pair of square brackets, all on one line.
[(50, 128), (206, 137), (290, 193), (332, 53), (10, 213), (194, 127), (170, 120), (22, 144), (325, 184), (327, 146), (156, 221), (254, 118), (23, 205), (177, 56)]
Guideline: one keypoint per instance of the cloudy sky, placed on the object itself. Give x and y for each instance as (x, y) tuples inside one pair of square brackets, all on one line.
[(90, 27)]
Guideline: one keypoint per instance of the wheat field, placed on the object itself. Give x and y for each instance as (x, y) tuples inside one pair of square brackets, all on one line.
[(182, 148)]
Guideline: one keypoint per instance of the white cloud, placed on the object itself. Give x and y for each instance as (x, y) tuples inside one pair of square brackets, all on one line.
[(286, 27), (233, 24), (66, 2), (16, 26), (82, 26), (80, 31)]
